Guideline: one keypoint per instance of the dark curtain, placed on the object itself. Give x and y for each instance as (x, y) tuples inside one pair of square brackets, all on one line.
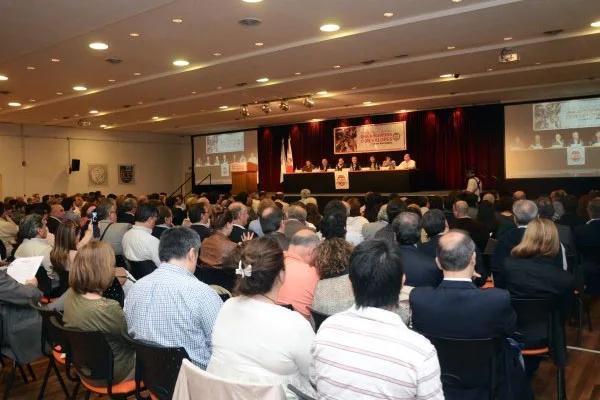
[(442, 142)]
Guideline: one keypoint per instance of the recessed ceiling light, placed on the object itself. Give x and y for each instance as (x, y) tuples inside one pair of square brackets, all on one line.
[(3, 78), (194, 92), (31, 100), (596, 24), (217, 54), (55, 60), (98, 46), (337, 66), (134, 34), (112, 80), (177, 20), (316, 120), (259, 44), (155, 118), (451, 47), (219, 87), (456, 1), (322, 92), (446, 76), (140, 102), (30, 68), (137, 73), (181, 63), (354, 87), (402, 111), (252, 1), (59, 93), (388, 14), (262, 80), (93, 111), (297, 73), (508, 38), (14, 104), (490, 69), (329, 28), (79, 88), (103, 126), (223, 107), (538, 63), (366, 103)]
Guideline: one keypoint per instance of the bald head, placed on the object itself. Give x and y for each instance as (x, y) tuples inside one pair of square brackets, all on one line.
[(57, 211), (456, 252), (519, 195), (461, 209), (303, 244), (524, 211), (489, 197), (239, 213)]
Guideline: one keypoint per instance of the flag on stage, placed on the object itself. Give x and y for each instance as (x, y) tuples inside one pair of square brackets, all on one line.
[(290, 159), (283, 161)]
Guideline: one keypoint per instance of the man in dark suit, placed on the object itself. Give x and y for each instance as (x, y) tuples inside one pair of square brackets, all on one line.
[(240, 220), (373, 164), (272, 225), (435, 226), (464, 222), (420, 269), (324, 165), (128, 213), (308, 167), (295, 220), (587, 238), (57, 212), (458, 309), (354, 165), (199, 217), (163, 222), (570, 218), (178, 213), (340, 164)]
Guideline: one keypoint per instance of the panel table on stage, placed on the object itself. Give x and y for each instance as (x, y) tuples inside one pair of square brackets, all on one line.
[(383, 181)]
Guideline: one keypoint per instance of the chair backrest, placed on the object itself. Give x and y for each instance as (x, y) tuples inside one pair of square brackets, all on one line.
[(216, 276), (50, 336), (139, 269), (89, 352), (318, 318), (159, 367), (194, 383), (467, 363), (490, 246), (115, 292), (534, 320)]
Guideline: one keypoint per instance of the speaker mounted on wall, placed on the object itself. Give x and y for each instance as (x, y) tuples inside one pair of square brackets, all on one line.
[(74, 165)]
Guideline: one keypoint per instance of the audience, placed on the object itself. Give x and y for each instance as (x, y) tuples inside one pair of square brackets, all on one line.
[(254, 225), (8, 229), (199, 216), (355, 222), (565, 234), (66, 244), (368, 349), (306, 198), (239, 213), (138, 242), (478, 232), (218, 245), (313, 217), (295, 219), (272, 225), (170, 307), (504, 215), (301, 277), (254, 339), (85, 309)]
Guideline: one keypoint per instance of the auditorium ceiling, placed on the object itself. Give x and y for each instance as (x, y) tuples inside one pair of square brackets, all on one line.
[(388, 56)]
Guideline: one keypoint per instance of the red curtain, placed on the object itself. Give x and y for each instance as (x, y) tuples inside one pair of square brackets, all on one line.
[(442, 142)]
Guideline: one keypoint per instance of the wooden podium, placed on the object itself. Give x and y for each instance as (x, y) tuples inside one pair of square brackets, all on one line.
[(244, 177)]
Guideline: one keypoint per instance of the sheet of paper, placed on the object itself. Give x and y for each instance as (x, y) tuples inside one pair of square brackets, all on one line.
[(25, 268)]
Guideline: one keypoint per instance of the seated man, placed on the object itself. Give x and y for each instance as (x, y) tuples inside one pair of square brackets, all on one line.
[(408, 163), (170, 307), (308, 167), (33, 231), (57, 213), (354, 165), (324, 165), (367, 351), (388, 163), (199, 217), (240, 215), (111, 231), (272, 225), (463, 221), (419, 268), (373, 164), (138, 242), (128, 213), (340, 164), (295, 220), (164, 221), (301, 277), (458, 309)]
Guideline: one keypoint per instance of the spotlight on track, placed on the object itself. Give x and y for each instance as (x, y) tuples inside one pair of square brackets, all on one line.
[(266, 108), (244, 111), (284, 105), (308, 102)]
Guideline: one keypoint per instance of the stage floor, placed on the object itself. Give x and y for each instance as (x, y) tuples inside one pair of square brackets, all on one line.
[(406, 194)]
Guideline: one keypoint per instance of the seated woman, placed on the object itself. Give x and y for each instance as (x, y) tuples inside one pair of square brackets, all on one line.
[(92, 272), (213, 251), (275, 346), (66, 244)]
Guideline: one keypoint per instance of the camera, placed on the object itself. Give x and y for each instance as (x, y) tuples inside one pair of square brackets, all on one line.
[(94, 218)]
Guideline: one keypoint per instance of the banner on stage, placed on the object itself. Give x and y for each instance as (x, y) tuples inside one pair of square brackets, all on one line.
[(370, 138), (341, 180)]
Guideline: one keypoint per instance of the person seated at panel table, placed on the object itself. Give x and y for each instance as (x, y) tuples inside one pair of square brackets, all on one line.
[(537, 143), (516, 144), (558, 141), (308, 167), (373, 164), (596, 140), (575, 139), (388, 163), (324, 165), (340, 165), (354, 165), (408, 163)]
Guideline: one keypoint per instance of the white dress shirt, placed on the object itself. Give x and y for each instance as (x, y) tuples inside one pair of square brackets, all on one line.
[(354, 227), (369, 353), (140, 245), (411, 164)]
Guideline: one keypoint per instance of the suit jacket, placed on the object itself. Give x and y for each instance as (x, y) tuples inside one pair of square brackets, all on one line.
[(369, 230), (374, 166), (324, 168), (477, 231), (178, 216), (429, 249), (571, 220), (420, 269), (158, 230), (566, 237), (52, 224), (126, 218), (587, 238), (201, 230), (354, 167), (340, 168), (236, 234)]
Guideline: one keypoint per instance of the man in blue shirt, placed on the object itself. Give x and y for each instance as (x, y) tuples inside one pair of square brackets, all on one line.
[(170, 307)]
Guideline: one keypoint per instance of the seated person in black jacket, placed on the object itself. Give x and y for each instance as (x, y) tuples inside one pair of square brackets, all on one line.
[(458, 309), (199, 216), (420, 269), (164, 221)]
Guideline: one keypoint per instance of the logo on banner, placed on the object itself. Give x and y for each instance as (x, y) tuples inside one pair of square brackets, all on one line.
[(576, 155), (341, 180)]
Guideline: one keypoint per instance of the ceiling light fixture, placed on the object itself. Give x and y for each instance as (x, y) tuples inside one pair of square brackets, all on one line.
[(308, 102), (217, 54), (112, 80), (322, 92), (447, 76), (31, 100), (79, 88), (329, 28), (177, 20), (259, 44), (93, 111), (59, 93), (262, 80), (402, 111), (134, 34), (595, 24), (181, 63), (98, 46), (388, 14), (451, 47), (3, 78), (456, 1), (14, 104), (30, 68), (297, 73), (508, 38), (284, 105), (252, 1), (366, 103), (223, 107), (244, 111), (55, 60), (137, 73), (103, 126), (490, 69), (337, 66), (266, 108)]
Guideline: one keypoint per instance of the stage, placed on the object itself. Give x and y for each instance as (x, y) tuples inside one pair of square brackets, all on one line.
[(388, 181)]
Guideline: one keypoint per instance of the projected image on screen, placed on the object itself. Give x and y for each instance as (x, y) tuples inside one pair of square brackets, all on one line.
[(217, 154), (553, 139)]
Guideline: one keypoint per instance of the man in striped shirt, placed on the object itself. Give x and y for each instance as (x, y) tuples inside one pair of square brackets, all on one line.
[(367, 352)]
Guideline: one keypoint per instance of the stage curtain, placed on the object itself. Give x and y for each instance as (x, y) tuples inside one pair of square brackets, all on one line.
[(442, 142)]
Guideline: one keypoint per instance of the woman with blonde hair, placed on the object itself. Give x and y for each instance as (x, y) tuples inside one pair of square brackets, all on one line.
[(92, 272)]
